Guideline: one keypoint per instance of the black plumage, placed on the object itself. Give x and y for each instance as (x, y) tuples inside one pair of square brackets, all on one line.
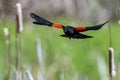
[(69, 31)]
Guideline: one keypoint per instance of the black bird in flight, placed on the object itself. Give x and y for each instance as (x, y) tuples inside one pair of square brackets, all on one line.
[(69, 31)]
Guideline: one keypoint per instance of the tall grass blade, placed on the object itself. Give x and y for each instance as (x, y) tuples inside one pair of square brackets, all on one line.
[(41, 71), (102, 68), (29, 75)]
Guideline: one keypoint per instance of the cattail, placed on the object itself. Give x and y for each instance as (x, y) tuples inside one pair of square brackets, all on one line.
[(112, 71), (6, 32), (19, 29), (119, 21), (19, 18), (7, 36)]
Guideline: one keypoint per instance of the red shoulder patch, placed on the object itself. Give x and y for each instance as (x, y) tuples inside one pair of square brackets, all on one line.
[(80, 28), (57, 25)]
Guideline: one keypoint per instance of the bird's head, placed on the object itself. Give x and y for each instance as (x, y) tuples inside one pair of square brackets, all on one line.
[(68, 29)]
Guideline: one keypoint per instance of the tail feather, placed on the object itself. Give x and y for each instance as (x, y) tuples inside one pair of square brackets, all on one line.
[(82, 36), (77, 36), (40, 20)]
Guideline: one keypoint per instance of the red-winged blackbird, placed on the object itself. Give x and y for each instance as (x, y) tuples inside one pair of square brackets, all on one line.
[(69, 31)]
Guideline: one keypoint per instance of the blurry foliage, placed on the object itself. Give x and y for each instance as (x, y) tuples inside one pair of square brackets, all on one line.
[(74, 59), (85, 10)]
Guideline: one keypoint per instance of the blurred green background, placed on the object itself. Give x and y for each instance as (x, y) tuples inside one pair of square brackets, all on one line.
[(63, 59)]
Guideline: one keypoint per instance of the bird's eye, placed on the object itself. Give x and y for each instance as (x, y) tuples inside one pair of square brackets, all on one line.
[(66, 29)]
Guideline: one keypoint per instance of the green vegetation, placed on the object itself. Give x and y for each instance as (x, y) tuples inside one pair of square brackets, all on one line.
[(73, 57)]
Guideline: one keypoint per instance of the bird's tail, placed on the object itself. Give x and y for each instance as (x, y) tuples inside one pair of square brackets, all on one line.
[(96, 27), (77, 36), (40, 20)]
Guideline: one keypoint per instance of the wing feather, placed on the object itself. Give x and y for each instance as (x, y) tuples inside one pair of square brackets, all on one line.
[(96, 27), (41, 21)]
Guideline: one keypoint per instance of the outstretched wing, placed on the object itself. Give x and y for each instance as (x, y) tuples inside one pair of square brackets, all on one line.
[(41, 21), (96, 27)]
